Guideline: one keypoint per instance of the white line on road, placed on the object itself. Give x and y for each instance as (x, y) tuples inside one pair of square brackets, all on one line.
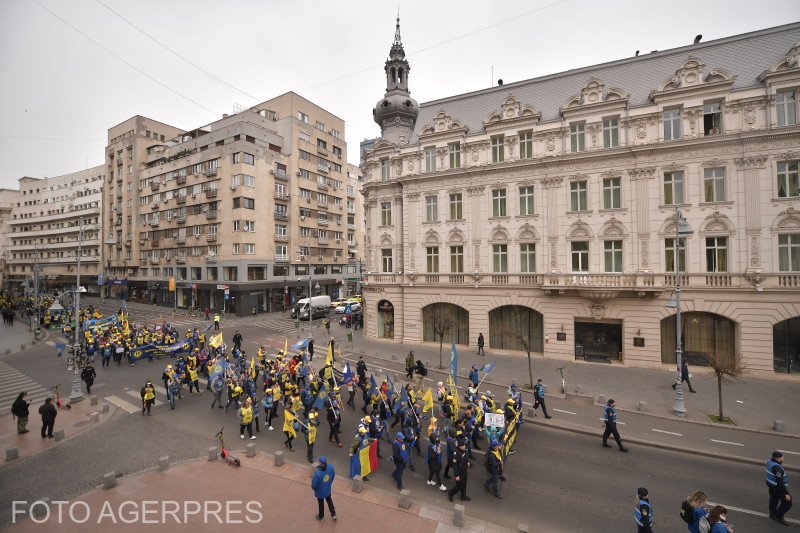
[(567, 412), (787, 451), (668, 432), (748, 511), (726, 442), (122, 404), (603, 420)]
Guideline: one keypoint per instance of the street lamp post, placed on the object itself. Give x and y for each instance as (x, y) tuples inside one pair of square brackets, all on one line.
[(682, 227)]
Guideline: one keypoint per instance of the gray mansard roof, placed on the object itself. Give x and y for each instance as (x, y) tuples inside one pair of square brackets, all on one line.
[(745, 56)]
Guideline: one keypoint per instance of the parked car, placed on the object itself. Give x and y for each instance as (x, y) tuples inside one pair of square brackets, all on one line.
[(337, 302), (356, 298), (354, 306)]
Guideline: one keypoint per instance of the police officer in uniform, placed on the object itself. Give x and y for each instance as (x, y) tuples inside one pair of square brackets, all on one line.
[(538, 397), (399, 456), (643, 512), (777, 483), (460, 466), (610, 418)]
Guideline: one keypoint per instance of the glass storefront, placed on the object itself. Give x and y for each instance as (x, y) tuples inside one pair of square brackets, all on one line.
[(385, 319), (786, 346), (598, 341)]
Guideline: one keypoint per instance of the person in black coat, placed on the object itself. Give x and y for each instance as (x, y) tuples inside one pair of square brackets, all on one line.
[(20, 410), (461, 466), (49, 413), (87, 375)]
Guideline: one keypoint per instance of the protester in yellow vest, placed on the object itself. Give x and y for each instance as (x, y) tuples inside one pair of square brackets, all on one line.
[(148, 397), (310, 431), (246, 419)]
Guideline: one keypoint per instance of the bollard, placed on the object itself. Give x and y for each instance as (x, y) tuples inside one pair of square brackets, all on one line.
[(250, 450), (522, 528), (109, 480), (397, 378), (8, 351), (12, 453), (40, 508), (94, 418), (278, 458), (458, 515), (531, 412), (777, 425), (642, 407), (358, 483), (212, 453), (163, 463), (578, 390), (58, 435), (394, 357), (377, 353), (22, 346), (93, 400), (104, 407), (601, 399), (427, 364), (405, 498)]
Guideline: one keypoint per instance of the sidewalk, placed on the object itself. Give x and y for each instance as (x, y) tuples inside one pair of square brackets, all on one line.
[(198, 495), (12, 338)]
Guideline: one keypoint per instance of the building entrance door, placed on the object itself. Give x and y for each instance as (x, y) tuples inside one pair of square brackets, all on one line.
[(598, 341)]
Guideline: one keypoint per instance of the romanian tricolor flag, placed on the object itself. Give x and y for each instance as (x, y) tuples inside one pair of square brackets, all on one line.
[(288, 422), (365, 461)]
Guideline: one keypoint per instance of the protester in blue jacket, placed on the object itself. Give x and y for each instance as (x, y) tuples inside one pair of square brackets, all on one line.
[(323, 479)]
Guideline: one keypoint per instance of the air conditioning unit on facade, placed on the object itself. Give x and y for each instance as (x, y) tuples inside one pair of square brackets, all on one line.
[(194, 195), (299, 173), (233, 187), (338, 241)]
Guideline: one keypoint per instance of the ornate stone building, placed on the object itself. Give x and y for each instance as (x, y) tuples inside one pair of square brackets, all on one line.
[(548, 208)]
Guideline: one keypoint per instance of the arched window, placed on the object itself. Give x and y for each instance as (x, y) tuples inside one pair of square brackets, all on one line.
[(786, 346), (438, 315), (511, 324)]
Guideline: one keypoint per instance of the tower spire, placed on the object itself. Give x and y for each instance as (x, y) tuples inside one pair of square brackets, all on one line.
[(397, 112)]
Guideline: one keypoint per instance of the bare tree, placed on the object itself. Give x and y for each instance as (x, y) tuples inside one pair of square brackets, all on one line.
[(442, 321), (525, 341), (725, 369)]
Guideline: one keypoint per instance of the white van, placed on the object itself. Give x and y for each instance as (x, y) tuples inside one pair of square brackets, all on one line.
[(320, 305)]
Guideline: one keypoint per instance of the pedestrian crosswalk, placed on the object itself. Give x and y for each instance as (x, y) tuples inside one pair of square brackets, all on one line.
[(130, 400), (12, 382)]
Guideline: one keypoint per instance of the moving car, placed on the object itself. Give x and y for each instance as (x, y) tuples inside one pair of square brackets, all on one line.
[(354, 306), (337, 302)]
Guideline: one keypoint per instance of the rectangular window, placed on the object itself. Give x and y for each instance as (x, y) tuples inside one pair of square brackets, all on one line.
[(499, 203), (431, 209), (526, 200), (500, 258), (669, 255), (430, 159), (456, 212), (385, 174), (236, 248), (577, 137), (672, 124), (302, 117), (712, 119), (673, 188), (716, 254), (497, 149), (305, 156), (789, 252), (788, 182), (250, 203), (613, 256), (577, 196), (432, 259), (280, 230), (612, 193), (525, 145), (714, 185), (386, 261), (786, 107), (456, 259), (580, 256), (243, 157), (386, 213), (320, 126), (249, 248), (454, 150), (610, 133), (527, 257), (249, 225), (237, 225)]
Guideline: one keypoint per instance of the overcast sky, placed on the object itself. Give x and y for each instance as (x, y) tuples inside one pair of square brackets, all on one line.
[(70, 73)]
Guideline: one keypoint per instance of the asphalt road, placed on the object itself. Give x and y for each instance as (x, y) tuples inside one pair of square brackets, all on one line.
[(557, 480)]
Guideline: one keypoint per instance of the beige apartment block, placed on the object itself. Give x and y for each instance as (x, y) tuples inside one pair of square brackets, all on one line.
[(235, 215), (548, 207), (47, 224)]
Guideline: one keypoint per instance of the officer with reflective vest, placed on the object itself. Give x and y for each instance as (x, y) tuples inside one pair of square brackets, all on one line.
[(643, 511), (399, 456), (610, 418), (780, 501), (216, 321)]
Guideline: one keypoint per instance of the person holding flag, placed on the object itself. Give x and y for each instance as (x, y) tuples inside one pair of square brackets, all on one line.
[(363, 456), (269, 407), (310, 432), (217, 386), (334, 420), (290, 427)]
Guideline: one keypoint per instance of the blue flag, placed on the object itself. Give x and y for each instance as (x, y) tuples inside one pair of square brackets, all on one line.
[(60, 347), (373, 387), (347, 375), (487, 368), (219, 369), (322, 397), (404, 401), (453, 363), (300, 345), (208, 327), (390, 390)]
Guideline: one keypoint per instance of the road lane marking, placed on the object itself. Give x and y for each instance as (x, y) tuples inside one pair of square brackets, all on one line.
[(727, 442), (122, 404), (668, 432), (603, 420), (748, 511), (787, 451), (567, 412)]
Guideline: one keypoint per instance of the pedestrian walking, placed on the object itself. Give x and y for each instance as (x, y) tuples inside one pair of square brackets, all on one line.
[(643, 512), (538, 398), (400, 453), (321, 483), (49, 413), (237, 340), (718, 518), (148, 394), (310, 432), (410, 364), (685, 375), (208, 312), (334, 421), (695, 502), (461, 465), (88, 375), (780, 501), (494, 464), (217, 386), (480, 344), (21, 409), (246, 419), (610, 419), (310, 349), (269, 408), (434, 460)]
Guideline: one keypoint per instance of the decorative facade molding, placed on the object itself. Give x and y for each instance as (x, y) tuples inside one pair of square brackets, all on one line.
[(642, 173), (551, 183), (751, 163), (718, 224)]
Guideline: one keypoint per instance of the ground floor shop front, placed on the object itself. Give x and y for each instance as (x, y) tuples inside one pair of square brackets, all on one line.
[(759, 329)]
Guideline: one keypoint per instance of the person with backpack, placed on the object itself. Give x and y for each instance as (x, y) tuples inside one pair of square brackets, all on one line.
[(643, 511), (716, 520), (692, 510)]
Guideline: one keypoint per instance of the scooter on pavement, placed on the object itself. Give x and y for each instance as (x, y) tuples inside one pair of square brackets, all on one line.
[(223, 452)]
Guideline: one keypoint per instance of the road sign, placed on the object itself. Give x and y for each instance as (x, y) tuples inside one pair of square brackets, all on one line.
[(223, 287), (227, 292)]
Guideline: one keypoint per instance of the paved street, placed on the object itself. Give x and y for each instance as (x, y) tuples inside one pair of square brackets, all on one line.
[(560, 478)]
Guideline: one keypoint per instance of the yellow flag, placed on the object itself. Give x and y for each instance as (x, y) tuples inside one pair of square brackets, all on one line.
[(285, 346), (215, 340), (288, 422), (454, 393), (329, 359), (253, 367), (427, 398)]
